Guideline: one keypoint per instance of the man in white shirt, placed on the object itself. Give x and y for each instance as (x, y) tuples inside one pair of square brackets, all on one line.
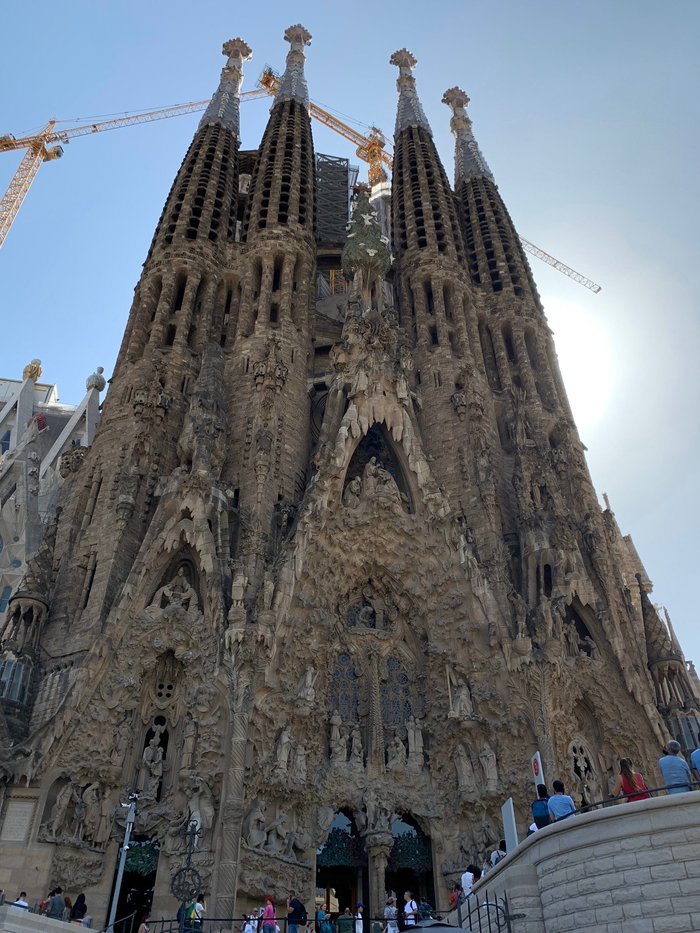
[(410, 910), (21, 901)]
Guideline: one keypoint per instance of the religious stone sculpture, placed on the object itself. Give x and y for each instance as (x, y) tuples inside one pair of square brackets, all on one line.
[(466, 780), (255, 826), (489, 766), (396, 755), (151, 770), (177, 594), (356, 752), (189, 741), (415, 744), (284, 745)]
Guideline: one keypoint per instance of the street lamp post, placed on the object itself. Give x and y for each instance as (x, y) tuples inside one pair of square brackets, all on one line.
[(130, 819)]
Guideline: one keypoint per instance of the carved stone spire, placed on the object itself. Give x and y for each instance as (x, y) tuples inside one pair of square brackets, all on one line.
[(409, 112), (293, 82), (225, 106), (468, 157)]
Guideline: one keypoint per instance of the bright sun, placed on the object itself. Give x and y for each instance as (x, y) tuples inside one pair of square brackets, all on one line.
[(585, 359)]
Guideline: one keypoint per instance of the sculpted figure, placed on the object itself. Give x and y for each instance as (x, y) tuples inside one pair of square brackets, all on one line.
[(177, 593), (353, 492), (305, 690), (415, 743), (489, 766), (357, 762), (60, 808), (396, 755), (284, 744), (151, 771), (189, 741), (462, 705), (121, 742), (104, 826), (298, 770), (91, 816), (201, 809), (254, 826), (466, 781)]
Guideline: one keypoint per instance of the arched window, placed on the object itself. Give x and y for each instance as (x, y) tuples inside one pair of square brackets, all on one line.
[(5, 598), (14, 680), (396, 695), (344, 690)]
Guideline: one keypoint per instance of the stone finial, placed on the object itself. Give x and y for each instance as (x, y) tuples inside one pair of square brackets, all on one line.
[(32, 370), (96, 380), (409, 112), (224, 107), (468, 158), (293, 82)]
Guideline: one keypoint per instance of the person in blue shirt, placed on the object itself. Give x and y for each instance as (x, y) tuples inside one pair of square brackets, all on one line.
[(695, 760), (674, 769), (560, 805)]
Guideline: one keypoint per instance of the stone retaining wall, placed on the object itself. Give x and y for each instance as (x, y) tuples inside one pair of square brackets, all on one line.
[(633, 867)]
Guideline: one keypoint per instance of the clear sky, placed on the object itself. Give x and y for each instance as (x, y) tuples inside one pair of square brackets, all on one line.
[(586, 111)]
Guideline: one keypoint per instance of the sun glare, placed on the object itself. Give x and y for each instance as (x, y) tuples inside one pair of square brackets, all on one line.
[(585, 359)]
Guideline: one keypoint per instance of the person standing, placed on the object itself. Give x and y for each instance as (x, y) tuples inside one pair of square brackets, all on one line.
[(560, 805), (469, 878), (498, 854), (410, 909), (295, 913), (630, 783), (345, 922), (390, 923), (358, 917), (695, 761), (56, 905), (540, 807), (79, 909), (674, 769), (199, 908), (268, 916)]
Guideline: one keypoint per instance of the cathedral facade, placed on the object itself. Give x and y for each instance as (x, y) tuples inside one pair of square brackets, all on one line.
[(333, 569)]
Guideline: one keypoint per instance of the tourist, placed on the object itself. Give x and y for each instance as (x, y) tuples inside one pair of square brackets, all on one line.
[(695, 760), (630, 783), (358, 917), (296, 915), (79, 909), (540, 808), (268, 916), (143, 926), (457, 895), (410, 910), (498, 854), (320, 915), (21, 901), (67, 907), (344, 922), (390, 912), (199, 908), (674, 769), (327, 923), (249, 924), (469, 878), (56, 905), (560, 805)]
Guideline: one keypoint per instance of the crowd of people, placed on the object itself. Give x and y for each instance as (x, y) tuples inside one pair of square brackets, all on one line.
[(56, 905), (394, 917)]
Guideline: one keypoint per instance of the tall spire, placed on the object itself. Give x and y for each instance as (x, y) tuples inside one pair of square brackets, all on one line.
[(293, 82), (468, 157), (225, 106), (409, 112)]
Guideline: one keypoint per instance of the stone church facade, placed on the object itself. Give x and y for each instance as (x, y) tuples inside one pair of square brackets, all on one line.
[(324, 582)]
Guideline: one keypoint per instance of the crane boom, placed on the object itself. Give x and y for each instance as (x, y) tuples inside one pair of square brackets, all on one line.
[(559, 266), (370, 149)]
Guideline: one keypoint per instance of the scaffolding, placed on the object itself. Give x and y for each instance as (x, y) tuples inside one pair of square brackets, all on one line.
[(335, 180)]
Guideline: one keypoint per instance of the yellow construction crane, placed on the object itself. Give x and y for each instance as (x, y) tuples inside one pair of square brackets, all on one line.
[(46, 146)]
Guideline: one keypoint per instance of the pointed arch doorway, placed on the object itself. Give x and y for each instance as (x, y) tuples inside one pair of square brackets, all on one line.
[(410, 863), (341, 865)]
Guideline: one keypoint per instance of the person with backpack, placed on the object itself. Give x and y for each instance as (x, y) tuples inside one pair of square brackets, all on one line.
[(560, 805), (410, 910), (498, 854), (296, 913), (540, 807)]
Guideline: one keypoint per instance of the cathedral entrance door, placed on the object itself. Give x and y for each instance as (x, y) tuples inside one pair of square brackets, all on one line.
[(410, 865), (341, 863)]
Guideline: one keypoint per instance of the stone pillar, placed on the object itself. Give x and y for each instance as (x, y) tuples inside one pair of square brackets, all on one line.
[(378, 846)]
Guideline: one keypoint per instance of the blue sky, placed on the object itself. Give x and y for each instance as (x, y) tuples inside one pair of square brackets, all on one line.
[(587, 113)]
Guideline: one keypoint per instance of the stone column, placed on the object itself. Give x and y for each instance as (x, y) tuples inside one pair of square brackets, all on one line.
[(378, 846)]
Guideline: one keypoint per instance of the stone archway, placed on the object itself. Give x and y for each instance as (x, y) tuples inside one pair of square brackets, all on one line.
[(341, 864)]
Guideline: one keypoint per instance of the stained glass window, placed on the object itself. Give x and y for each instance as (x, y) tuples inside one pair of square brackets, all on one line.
[(344, 690), (396, 695)]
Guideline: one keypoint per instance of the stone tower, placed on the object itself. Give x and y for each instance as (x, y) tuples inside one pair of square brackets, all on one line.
[(324, 582)]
